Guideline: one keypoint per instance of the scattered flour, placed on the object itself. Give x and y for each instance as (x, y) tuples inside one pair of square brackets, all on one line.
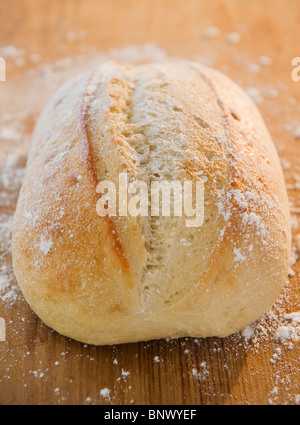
[(233, 37), (45, 245), (8, 288), (297, 133), (238, 256), (105, 393), (255, 95), (125, 373), (211, 32), (265, 61), (201, 374), (248, 332), (284, 333)]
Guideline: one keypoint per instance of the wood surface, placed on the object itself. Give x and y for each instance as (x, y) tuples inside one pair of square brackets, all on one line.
[(38, 366)]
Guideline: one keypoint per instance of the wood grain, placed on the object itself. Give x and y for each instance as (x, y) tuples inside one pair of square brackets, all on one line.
[(38, 366)]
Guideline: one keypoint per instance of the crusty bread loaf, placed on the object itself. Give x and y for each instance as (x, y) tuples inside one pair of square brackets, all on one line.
[(108, 280)]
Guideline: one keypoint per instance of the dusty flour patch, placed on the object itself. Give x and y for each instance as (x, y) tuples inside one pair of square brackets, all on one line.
[(11, 177), (202, 373), (8, 289), (281, 326)]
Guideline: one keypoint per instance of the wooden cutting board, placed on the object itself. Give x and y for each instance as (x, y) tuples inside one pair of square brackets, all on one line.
[(38, 366)]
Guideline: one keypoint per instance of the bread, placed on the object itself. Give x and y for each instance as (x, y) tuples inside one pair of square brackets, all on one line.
[(109, 280)]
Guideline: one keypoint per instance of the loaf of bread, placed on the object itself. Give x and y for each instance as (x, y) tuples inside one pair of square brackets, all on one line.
[(118, 279)]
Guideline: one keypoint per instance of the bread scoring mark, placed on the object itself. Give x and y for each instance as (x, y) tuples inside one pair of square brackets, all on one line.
[(146, 149), (89, 162), (133, 147)]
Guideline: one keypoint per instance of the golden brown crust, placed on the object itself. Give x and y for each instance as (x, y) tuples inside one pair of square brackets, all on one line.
[(121, 279)]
